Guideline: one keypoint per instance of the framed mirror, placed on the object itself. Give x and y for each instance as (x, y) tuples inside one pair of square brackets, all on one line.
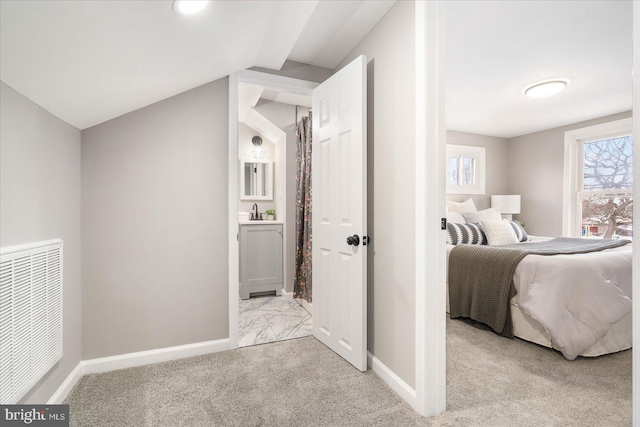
[(256, 180)]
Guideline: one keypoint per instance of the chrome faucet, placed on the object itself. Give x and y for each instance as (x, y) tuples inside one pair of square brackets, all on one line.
[(255, 208)]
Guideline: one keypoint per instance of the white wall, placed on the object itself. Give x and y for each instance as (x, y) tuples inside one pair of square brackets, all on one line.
[(154, 225), (390, 52), (535, 170), (40, 200), (496, 181)]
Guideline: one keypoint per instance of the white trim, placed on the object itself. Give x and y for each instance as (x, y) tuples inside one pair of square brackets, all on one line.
[(306, 305), (130, 360), (572, 182), (430, 188), (636, 219), (392, 380), (233, 201), (67, 385), (270, 82), (303, 302), (140, 358)]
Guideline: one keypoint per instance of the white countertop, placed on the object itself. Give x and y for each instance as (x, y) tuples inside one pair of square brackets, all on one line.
[(258, 222)]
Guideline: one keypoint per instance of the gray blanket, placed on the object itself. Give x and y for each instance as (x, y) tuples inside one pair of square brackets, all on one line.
[(480, 278)]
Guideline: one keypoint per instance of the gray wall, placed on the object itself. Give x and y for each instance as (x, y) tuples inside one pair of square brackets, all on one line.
[(496, 166), (390, 52), (40, 200), (154, 224), (535, 170)]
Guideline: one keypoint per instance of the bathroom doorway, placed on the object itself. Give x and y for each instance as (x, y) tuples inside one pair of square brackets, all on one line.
[(267, 143)]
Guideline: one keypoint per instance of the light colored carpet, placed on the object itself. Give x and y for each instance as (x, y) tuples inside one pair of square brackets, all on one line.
[(496, 381), (492, 381)]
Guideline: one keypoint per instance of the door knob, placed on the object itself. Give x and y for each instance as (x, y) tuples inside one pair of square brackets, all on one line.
[(353, 240)]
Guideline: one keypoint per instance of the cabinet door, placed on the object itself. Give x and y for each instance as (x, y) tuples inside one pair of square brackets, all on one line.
[(261, 254)]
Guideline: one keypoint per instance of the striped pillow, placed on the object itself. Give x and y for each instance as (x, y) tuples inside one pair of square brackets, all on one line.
[(465, 234), (520, 233)]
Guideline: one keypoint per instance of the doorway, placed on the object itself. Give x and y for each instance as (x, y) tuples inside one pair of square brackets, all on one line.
[(635, 330), (261, 310), (339, 157), (268, 145)]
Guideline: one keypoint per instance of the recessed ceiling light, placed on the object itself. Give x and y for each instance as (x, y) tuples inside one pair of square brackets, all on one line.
[(189, 7), (545, 88)]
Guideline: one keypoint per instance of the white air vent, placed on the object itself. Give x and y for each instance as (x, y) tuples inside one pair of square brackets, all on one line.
[(30, 315)]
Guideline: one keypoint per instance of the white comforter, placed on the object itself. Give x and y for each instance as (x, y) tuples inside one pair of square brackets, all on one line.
[(576, 298)]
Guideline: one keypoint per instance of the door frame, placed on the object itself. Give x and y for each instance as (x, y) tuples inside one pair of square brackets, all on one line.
[(430, 260), (430, 145), (635, 377), (271, 82)]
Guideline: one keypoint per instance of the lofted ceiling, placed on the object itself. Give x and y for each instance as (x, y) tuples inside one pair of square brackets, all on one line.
[(494, 49), (89, 61)]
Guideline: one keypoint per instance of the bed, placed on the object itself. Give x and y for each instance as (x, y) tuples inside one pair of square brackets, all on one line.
[(578, 304)]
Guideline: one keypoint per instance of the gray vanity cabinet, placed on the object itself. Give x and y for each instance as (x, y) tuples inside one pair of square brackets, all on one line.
[(260, 258)]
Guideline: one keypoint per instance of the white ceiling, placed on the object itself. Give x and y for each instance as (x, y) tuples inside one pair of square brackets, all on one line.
[(496, 48), (89, 61)]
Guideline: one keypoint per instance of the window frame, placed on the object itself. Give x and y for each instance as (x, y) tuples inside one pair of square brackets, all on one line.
[(478, 154), (573, 186)]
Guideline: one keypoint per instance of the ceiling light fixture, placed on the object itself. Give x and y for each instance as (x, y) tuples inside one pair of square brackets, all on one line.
[(545, 88), (189, 7)]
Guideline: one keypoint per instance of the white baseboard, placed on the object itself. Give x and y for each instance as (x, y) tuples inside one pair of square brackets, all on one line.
[(66, 386), (392, 380), (130, 360), (306, 305), (303, 302)]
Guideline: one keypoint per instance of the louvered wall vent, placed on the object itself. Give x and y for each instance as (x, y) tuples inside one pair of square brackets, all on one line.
[(30, 315)]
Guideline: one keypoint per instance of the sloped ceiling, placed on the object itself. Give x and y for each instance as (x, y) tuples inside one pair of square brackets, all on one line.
[(89, 61)]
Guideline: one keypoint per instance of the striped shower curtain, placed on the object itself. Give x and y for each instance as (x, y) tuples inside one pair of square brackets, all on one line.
[(302, 286)]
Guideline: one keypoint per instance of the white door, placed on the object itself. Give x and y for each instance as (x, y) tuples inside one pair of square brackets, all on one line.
[(339, 174)]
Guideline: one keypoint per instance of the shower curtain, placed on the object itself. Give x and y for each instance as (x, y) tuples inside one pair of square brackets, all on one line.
[(302, 286)]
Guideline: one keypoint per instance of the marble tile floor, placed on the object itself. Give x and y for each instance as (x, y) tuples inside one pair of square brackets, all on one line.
[(272, 318)]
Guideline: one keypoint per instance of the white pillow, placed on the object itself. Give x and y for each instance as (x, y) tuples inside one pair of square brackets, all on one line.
[(499, 232), (491, 214), (455, 217), (466, 206)]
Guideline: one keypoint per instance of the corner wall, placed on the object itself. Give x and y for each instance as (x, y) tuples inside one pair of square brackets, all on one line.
[(154, 222), (536, 171), (390, 51), (40, 200)]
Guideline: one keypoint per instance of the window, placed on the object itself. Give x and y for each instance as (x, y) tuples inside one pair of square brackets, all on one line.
[(600, 203), (465, 169), (607, 190)]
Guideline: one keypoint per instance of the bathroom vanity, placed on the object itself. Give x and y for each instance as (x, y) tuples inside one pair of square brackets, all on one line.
[(260, 257)]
